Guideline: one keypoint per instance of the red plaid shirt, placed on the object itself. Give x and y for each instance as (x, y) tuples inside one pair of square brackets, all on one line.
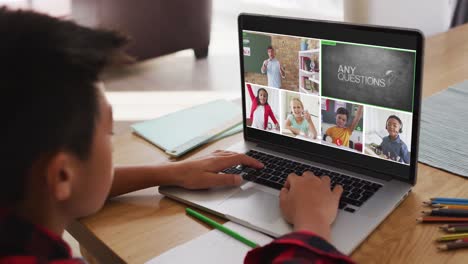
[(23, 242), (299, 248)]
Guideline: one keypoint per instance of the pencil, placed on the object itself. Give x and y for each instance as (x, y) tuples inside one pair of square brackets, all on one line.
[(446, 212), (440, 205), (452, 237), (437, 203), (441, 219), (453, 225), (446, 202), (451, 206), (221, 228), (457, 229), (453, 245), (445, 199)]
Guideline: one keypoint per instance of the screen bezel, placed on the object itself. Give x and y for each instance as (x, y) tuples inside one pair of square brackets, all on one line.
[(371, 35)]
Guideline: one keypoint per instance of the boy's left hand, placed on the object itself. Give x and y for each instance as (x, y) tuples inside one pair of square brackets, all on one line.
[(204, 173)]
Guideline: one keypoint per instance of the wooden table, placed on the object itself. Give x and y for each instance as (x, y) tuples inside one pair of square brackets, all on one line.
[(135, 227)]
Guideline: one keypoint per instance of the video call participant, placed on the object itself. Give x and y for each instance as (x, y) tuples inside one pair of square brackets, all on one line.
[(340, 134), (392, 146), (261, 110), (300, 121), (272, 67)]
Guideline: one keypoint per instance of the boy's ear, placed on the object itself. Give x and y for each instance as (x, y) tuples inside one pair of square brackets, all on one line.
[(60, 172)]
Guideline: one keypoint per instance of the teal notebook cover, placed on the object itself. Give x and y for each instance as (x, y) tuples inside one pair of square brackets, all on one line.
[(181, 131)]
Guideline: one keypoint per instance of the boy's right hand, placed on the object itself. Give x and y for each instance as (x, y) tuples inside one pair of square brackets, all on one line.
[(308, 203)]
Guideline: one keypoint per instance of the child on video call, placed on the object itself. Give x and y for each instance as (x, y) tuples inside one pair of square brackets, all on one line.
[(261, 110), (340, 134), (392, 146), (300, 122)]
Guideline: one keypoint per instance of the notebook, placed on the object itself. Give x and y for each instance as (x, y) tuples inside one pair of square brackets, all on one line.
[(213, 247), (179, 132)]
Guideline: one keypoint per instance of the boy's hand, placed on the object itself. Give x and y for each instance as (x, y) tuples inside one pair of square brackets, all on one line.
[(203, 173), (308, 203)]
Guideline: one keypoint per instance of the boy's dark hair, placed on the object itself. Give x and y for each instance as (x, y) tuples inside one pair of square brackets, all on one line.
[(258, 95), (342, 111), (270, 48), (50, 68)]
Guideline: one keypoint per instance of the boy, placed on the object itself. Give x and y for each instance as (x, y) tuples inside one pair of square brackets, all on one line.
[(340, 134), (58, 163), (392, 146)]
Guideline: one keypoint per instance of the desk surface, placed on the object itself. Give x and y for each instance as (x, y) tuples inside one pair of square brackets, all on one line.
[(135, 227)]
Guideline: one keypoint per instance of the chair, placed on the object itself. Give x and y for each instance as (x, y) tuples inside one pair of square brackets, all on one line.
[(157, 27)]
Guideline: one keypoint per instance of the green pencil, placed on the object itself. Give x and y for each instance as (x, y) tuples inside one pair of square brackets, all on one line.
[(221, 228)]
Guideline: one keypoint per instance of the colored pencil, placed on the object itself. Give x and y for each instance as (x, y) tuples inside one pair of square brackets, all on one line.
[(438, 203), (441, 219), (450, 206), (446, 212), (457, 229), (445, 199), (453, 245), (221, 228), (454, 225), (462, 240), (452, 237)]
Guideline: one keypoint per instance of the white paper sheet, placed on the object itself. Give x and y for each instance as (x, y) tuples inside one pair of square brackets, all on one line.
[(213, 247)]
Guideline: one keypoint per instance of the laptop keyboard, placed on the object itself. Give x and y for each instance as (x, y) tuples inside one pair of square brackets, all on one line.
[(355, 191)]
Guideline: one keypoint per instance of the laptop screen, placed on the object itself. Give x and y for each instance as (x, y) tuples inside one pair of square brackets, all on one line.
[(321, 91)]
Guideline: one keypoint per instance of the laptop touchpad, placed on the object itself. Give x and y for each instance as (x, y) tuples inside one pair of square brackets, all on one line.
[(253, 204)]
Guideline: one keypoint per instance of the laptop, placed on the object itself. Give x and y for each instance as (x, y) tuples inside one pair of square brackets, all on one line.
[(336, 99)]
